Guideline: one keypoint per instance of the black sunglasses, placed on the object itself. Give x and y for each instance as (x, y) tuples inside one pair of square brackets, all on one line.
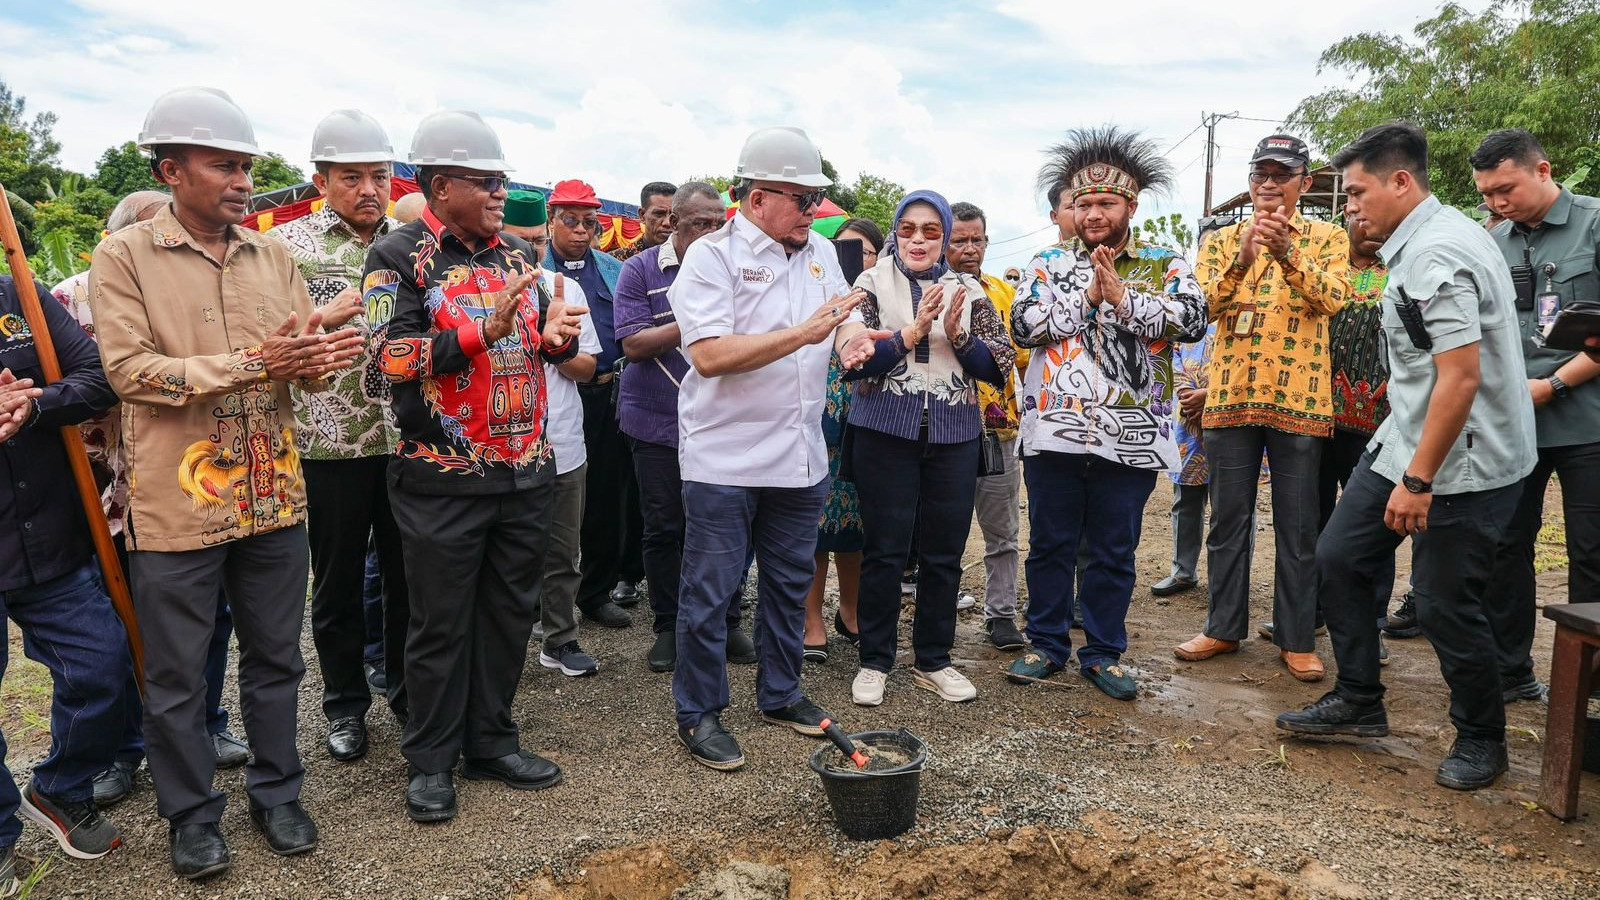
[(489, 183), (806, 201)]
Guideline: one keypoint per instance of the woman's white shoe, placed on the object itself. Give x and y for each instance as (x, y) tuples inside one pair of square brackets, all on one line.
[(867, 689)]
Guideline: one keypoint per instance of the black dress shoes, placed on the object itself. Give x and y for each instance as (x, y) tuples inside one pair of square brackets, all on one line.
[(430, 798), (1473, 763), (522, 770), (1335, 715), (710, 745), (347, 738), (740, 649), (286, 826), (198, 850), (609, 614), (664, 652)]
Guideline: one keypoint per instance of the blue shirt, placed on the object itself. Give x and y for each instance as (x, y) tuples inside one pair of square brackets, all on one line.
[(42, 531)]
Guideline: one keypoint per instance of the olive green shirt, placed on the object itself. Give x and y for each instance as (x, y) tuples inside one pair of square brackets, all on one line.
[(1566, 249)]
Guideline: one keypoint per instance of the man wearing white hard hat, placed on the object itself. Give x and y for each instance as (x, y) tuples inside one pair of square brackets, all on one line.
[(345, 434), (471, 483), (762, 304), (204, 326)]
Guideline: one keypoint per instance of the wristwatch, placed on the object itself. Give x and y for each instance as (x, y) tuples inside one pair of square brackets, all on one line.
[(1416, 485), (1561, 388)]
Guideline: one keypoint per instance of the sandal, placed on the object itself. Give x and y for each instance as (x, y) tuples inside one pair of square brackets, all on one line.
[(815, 653)]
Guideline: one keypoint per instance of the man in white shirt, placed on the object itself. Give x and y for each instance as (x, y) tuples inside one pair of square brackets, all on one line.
[(758, 301)]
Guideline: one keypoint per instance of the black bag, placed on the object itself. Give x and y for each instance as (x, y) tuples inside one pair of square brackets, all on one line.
[(991, 455)]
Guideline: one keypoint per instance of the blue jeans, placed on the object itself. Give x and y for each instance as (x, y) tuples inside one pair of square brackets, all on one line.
[(1070, 496), (372, 607), (69, 626), (721, 525)]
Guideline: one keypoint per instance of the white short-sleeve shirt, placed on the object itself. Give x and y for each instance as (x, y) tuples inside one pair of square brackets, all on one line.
[(761, 428), (564, 410)]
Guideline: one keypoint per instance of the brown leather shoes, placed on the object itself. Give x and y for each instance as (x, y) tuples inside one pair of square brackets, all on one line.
[(1202, 647), (1304, 666)]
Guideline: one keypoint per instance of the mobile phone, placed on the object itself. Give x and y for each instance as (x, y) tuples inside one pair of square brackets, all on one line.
[(1569, 330)]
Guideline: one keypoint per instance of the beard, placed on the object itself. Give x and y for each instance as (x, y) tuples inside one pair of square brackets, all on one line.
[(1117, 237)]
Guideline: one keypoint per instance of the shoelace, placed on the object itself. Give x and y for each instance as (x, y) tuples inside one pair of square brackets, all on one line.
[(81, 815)]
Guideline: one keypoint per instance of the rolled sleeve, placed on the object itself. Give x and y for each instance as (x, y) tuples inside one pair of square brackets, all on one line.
[(1449, 302)]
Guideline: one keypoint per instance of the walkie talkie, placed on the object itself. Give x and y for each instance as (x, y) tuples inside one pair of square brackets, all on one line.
[(1522, 279), (1410, 312)]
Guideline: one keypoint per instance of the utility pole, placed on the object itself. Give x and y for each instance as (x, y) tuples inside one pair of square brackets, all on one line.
[(1210, 120)]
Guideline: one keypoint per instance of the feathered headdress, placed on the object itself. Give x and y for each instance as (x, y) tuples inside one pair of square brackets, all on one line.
[(1106, 159)]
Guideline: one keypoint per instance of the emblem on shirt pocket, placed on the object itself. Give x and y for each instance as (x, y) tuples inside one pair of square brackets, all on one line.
[(817, 271)]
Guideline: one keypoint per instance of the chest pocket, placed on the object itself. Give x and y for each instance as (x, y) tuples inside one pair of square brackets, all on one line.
[(1576, 281)]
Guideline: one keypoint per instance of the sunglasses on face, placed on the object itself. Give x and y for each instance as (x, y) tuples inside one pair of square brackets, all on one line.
[(930, 231), (806, 201), (1278, 178), (489, 183), (589, 223)]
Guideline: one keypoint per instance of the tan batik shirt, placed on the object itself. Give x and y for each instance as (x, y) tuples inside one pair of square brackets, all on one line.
[(208, 438)]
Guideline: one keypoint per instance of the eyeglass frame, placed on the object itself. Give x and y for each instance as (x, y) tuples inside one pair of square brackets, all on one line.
[(805, 202), (977, 243), (482, 181), (1257, 177), (573, 222), (936, 228)]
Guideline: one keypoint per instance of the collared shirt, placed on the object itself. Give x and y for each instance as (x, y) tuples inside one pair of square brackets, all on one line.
[(351, 419), (596, 272), (42, 533), (633, 248), (1360, 362), (102, 434), (471, 415), (1566, 262), (1189, 362), (1451, 268), (1100, 378), (565, 423), (1275, 373), (999, 406), (761, 428), (647, 404), (208, 436)]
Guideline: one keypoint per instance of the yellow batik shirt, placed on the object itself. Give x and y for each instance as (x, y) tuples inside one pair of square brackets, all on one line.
[(1000, 406), (1272, 362)]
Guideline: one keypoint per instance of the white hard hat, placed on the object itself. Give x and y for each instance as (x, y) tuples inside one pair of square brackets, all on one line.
[(200, 117), (455, 137), (783, 154), (350, 136)]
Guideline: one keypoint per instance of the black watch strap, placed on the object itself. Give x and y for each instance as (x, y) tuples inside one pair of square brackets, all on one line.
[(1561, 388), (1416, 485)]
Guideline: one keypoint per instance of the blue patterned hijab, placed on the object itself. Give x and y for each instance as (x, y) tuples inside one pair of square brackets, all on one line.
[(940, 206)]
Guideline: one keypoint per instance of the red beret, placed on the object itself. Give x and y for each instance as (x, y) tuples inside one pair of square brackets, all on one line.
[(573, 193)]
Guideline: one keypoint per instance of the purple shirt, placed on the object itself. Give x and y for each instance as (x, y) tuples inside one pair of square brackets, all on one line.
[(647, 405)]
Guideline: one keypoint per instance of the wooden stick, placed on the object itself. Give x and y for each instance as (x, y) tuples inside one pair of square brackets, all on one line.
[(88, 492)]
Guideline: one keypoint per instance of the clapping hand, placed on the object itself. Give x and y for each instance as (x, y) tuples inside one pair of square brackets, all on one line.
[(928, 310), (562, 323), (342, 308), (309, 353), (16, 402), (1273, 231), (505, 302), (1106, 287), (952, 316)]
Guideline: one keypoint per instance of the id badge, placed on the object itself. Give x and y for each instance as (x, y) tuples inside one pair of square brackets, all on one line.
[(1245, 323), (1548, 305)]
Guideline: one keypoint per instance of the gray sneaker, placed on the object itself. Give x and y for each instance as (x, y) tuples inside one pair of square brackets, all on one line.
[(570, 659), (78, 827), (231, 752)]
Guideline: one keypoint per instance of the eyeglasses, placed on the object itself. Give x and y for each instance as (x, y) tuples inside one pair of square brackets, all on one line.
[(930, 231), (977, 243), (589, 223), (1278, 178), (805, 201), (701, 225), (489, 183)]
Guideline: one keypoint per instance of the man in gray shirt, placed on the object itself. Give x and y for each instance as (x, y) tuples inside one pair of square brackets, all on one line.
[(1444, 468)]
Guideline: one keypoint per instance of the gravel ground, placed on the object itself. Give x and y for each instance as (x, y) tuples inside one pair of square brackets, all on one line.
[(1188, 791)]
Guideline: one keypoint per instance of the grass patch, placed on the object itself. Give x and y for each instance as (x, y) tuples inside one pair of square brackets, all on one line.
[(1550, 547)]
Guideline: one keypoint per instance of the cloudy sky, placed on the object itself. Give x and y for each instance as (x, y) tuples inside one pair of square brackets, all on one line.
[(958, 97)]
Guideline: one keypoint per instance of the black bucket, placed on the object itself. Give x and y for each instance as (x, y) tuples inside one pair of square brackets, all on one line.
[(873, 805), (1591, 745)]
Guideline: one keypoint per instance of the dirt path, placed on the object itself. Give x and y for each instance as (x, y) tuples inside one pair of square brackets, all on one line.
[(1187, 792)]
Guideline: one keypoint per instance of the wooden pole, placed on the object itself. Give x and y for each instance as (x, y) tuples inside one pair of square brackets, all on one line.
[(88, 492)]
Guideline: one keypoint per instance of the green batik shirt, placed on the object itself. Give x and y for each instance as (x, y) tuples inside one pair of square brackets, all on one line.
[(1566, 262), (352, 419)]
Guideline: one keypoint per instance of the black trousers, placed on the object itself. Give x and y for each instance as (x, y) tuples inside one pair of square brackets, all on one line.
[(474, 567), (613, 527), (1340, 456), (661, 503), (1514, 619), (347, 500), (1450, 565), (912, 487)]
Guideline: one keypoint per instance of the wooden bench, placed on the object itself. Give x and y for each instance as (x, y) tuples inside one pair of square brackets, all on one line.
[(1574, 672)]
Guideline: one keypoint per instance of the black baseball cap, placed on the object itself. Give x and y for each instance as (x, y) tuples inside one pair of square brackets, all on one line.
[(1283, 148)]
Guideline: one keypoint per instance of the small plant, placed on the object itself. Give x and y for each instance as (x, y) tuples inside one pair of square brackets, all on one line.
[(1278, 760)]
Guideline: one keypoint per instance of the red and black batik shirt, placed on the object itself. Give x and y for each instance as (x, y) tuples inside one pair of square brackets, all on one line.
[(471, 415)]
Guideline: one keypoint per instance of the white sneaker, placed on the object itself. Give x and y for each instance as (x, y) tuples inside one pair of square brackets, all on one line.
[(946, 682), (867, 689), (965, 600)]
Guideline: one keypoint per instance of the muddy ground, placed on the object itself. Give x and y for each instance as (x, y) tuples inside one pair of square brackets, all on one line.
[(1030, 791)]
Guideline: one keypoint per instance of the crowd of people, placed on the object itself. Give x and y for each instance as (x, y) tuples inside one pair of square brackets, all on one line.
[(469, 428)]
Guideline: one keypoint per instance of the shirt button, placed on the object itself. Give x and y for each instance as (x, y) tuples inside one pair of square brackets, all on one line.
[(22, 485), (27, 526)]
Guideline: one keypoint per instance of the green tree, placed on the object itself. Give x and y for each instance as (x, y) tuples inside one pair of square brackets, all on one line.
[(124, 169), (272, 171), (29, 151), (1168, 231), (1531, 64), (720, 182), (875, 199)]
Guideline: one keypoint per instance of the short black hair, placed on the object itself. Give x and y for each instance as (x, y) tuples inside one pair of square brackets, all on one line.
[(175, 152), (968, 212), (1385, 149), (656, 189), (1516, 144), (425, 177), (1054, 194)]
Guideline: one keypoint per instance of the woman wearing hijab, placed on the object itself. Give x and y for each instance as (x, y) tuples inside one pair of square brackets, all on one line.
[(915, 429)]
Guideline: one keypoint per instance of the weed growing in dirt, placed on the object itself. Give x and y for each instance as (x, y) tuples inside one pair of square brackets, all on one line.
[(1278, 760)]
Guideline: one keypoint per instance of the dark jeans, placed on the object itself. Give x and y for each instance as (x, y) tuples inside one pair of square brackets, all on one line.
[(68, 625), (911, 489), (1340, 454), (723, 522), (612, 525), (474, 564), (1450, 562), (1234, 458), (372, 607), (1072, 496), (1514, 614), (661, 503), (347, 500), (175, 593)]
